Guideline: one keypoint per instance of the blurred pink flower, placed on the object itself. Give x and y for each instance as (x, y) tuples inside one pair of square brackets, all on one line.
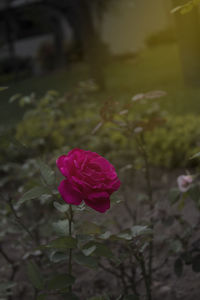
[(88, 177), (184, 182)]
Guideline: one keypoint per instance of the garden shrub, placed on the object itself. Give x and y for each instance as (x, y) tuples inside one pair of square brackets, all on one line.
[(51, 125), (64, 235), (172, 145)]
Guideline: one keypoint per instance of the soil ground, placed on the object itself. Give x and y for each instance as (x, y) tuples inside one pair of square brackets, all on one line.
[(166, 285)]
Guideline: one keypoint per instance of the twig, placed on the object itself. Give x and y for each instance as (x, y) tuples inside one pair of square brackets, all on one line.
[(19, 221), (8, 259), (110, 271), (70, 219)]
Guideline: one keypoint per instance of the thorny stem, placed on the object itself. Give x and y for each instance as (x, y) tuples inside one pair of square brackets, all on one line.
[(140, 258), (70, 219), (122, 271), (146, 278), (141, 145)]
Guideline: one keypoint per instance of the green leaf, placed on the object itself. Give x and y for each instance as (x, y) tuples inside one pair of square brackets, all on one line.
[(33, 193), (175, 9), (61, 227), (195, 155), (47, 173), (90, 228), (35, 275), (102, 250), (186, 8), (196, 264), (86, 261), (178, 267), (63, 243), (140, 230), (89, 251), (63, 208), (105, 235), (14, 97), (60, 282), (174, 195), (3, 88), (57, 257), (125, 236)]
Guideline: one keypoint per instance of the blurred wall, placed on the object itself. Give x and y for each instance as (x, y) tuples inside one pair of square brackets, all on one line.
[(126, 27)]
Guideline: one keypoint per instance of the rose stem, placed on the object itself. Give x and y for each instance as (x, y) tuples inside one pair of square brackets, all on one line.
[(142, 150), (70, 250), (150, 196)]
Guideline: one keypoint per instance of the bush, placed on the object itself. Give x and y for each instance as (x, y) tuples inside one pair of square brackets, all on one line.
[(52, 122), (50, 125), (172, 146)]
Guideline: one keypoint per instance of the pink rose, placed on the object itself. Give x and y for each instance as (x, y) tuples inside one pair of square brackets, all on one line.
[(184, 182), (89, 177)]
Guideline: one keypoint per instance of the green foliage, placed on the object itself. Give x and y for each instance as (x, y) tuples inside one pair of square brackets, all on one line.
[(92, 244), (63, 243), (47, 173), (60, 281), (61, 227), (63, 208), (35, 275), (48, 125), (87, 261), (34, 193), (172, 145), (186, 8)]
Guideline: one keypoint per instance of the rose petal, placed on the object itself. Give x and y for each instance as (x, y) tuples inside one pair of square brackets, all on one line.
[(68, 194), (99, 201), (90, 177), (100, 206), (63, 165), (184, 182), (116, 185)]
